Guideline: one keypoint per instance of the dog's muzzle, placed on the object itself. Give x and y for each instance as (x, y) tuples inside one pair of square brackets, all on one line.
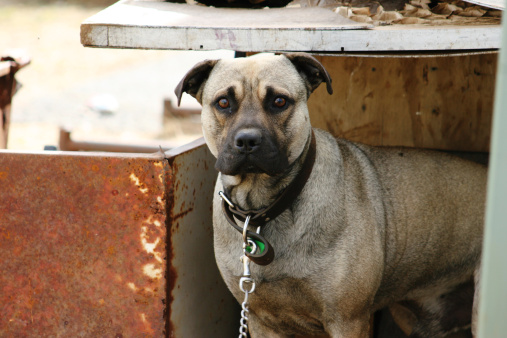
[(251, 150), (248, 141)]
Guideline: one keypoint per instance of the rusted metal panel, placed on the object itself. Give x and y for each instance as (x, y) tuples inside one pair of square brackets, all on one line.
[(82, 245), (110, 245), (8, 68), (66, 143), (201, 305)]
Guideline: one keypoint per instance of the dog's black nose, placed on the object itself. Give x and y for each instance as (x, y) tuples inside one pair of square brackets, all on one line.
[(248, 140)]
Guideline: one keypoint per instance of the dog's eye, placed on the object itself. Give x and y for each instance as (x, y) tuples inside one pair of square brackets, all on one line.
[(223, 103), (279, 102)]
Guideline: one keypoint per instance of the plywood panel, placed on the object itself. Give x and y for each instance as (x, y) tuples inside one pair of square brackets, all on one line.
[(439, 102)]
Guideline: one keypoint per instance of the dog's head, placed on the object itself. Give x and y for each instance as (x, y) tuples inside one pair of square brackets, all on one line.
[(254, 112)]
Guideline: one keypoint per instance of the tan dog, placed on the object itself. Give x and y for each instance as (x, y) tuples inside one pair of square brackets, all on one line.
[(371, 227)]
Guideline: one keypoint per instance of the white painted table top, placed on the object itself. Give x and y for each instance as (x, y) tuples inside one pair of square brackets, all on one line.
[(163, 25)]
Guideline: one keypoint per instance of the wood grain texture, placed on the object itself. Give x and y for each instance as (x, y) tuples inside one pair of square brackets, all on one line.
[(425, 102), (163, 25)]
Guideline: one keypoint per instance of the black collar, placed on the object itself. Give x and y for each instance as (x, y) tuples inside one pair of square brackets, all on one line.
[(262, 216)]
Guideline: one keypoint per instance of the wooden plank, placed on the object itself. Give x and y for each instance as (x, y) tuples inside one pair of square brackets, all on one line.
[(161, 25), (426, 102)]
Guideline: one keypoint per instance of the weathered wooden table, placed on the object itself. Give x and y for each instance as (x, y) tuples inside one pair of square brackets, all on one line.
[(163, 25)]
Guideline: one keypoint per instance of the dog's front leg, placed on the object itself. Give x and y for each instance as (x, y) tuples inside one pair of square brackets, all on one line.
[(258, 330), (358, 327)]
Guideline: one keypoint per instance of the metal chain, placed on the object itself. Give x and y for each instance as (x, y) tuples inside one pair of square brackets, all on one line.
[(247, 243), (243, 329)]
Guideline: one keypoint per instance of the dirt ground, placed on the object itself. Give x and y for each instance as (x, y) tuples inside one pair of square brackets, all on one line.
[(66, 83)]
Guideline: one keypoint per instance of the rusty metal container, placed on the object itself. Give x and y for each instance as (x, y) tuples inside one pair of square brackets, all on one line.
[(8, 86), (110, 245)]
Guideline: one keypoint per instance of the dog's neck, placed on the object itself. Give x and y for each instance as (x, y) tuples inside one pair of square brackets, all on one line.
[(256, 191)]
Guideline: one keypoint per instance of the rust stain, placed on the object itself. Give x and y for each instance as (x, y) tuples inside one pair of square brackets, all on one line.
[(82, 245), (171, 274), (182, 214)]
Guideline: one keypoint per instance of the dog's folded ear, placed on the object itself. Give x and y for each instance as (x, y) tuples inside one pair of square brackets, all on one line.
[(194, 79), (312, 71)]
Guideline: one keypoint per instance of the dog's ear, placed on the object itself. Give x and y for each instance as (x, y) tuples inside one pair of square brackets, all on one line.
[(311, 70), (194, 79)]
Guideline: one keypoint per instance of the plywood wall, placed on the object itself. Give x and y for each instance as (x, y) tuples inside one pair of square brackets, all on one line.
[(443, 102)]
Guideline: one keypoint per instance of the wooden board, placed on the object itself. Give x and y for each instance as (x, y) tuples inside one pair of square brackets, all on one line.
[(425, 102), (162, 25)]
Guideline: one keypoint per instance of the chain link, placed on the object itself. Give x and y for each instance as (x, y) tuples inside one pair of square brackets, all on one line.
[(243, 329), (249, 247)]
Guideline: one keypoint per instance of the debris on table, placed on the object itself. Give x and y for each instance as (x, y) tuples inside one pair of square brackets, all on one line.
[(386, 12), (241, 3), (423, 12)]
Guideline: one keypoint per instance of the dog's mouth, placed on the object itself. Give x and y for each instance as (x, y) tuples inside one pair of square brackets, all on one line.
[(233, 163), (251, 169), (250, 150)]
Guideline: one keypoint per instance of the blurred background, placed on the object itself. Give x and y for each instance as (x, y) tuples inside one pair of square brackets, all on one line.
[(99, 95)]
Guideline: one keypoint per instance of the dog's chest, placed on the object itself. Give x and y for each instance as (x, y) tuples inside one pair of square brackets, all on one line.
[(288, 305), (286, 297)]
